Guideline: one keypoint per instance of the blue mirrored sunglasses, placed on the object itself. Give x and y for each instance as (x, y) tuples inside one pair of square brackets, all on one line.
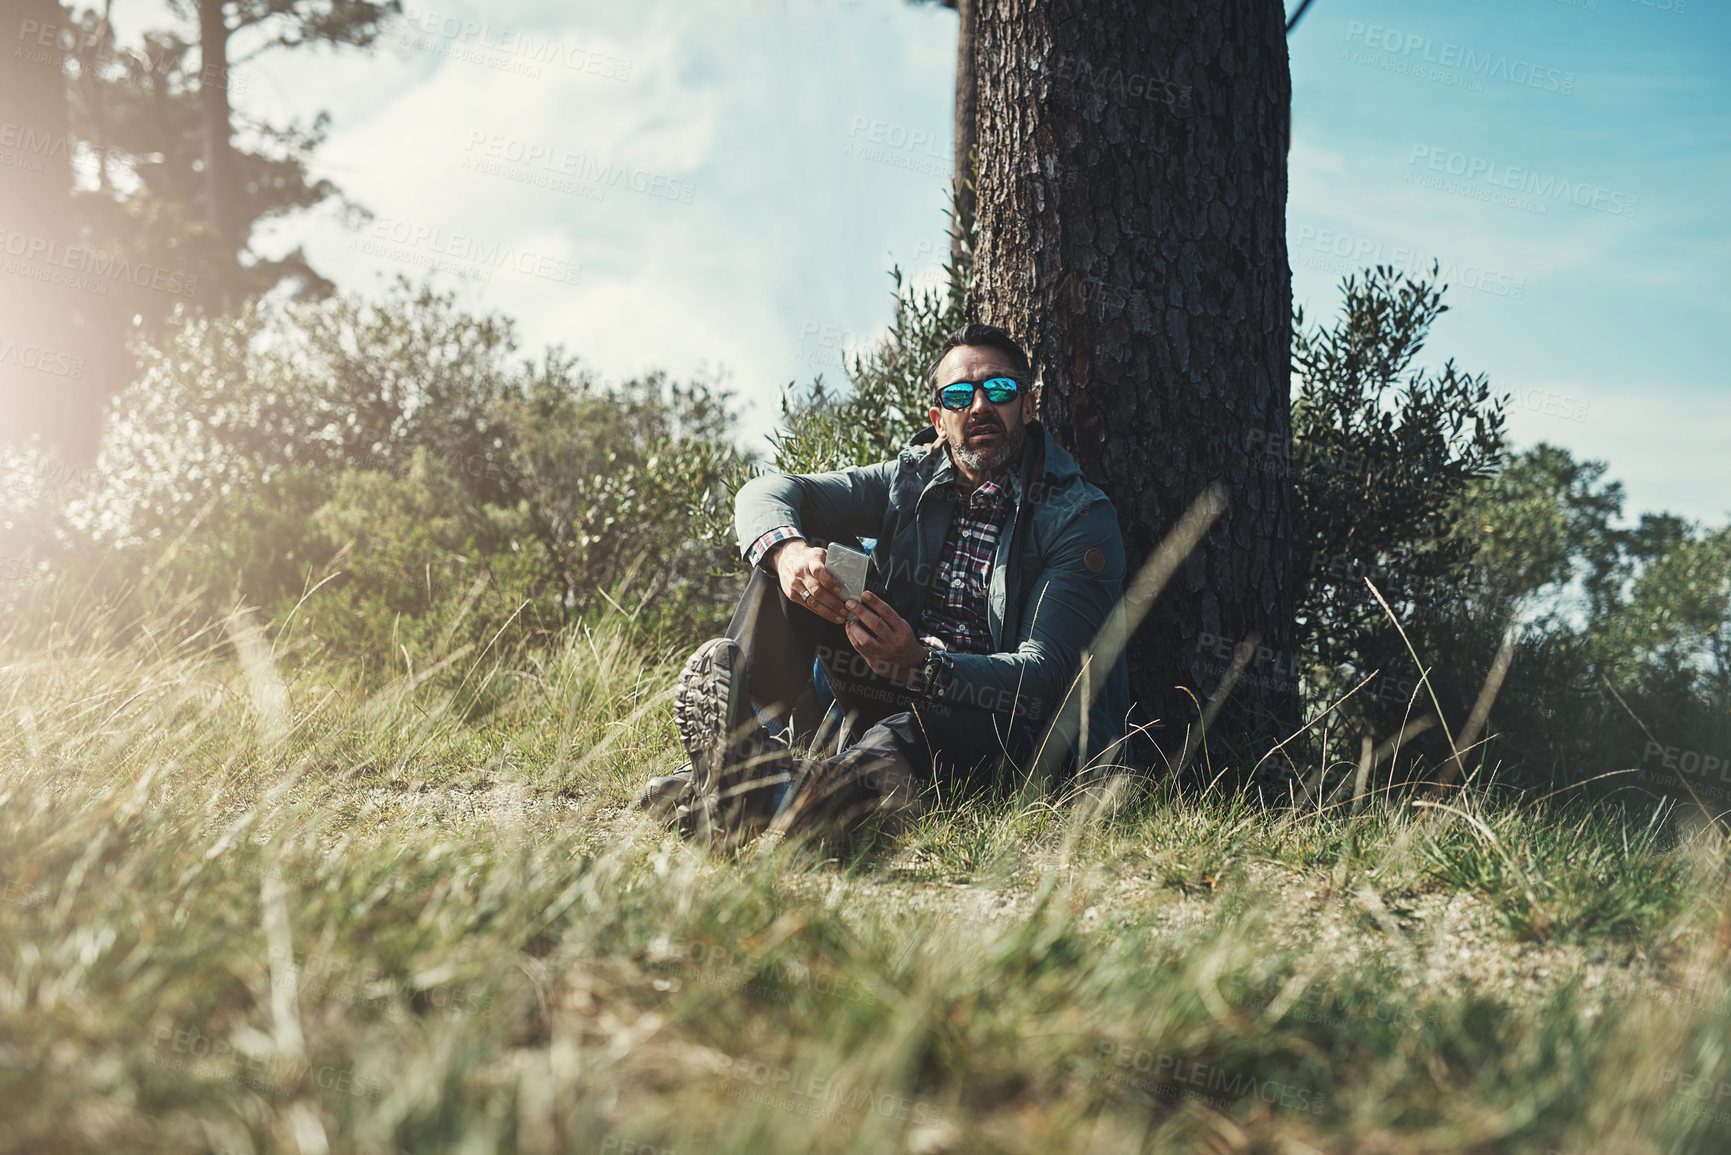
[(960, 395)]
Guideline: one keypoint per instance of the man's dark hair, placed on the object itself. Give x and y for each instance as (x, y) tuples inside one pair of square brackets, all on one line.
[(990, 336)]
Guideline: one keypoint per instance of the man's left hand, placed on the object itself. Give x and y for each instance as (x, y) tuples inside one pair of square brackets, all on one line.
[(884, 638)]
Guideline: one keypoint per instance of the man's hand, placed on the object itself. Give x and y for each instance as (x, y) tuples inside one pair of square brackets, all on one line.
[(799, 565), (884, 639)]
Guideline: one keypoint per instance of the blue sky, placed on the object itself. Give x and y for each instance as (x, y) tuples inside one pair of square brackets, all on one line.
[(702, 186)]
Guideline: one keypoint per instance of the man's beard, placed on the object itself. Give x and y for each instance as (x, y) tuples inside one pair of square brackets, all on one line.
[(987, 461)]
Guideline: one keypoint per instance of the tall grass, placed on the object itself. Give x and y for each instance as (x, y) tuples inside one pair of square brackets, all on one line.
[(252, 902)]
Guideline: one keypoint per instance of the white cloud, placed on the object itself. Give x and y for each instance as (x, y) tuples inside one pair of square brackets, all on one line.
[(748, 235), (1667, 448)]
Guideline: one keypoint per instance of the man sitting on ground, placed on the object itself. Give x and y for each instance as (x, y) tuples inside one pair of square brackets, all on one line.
[(995, 566)]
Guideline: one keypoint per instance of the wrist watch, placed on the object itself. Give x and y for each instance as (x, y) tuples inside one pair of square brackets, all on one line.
[(928, 677)]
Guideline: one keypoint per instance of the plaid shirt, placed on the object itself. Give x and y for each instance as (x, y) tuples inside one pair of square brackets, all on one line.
[(955, 615), (773, 537)]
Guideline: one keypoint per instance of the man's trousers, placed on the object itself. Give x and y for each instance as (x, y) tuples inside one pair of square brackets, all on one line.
[(898, 744)]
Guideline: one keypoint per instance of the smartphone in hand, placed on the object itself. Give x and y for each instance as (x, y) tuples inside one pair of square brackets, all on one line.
[(848, 565)]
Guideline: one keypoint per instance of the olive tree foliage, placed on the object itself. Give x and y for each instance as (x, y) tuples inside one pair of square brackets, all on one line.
[(1651, 600), (402, 448), (225, 404), (1382, 453), (1403, 484), (627, 487), (1678, 615), (1545, 550), (889, 398), (1622, 651)]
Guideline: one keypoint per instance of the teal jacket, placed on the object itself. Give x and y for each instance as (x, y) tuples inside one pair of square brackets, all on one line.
[(1057, 579)]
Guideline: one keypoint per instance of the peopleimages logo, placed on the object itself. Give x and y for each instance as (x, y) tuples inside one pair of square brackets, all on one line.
[(462, 253), (41, 359), (1174, 1077), (45, 478), (22, 146), (88, 263), (498, 151), (1461, 59), (1551, 403), (1339, 252), (21, 570), (800, 1092), (1495, 175), (51, 43), (917, 150), (1688, 761), (505, 49)]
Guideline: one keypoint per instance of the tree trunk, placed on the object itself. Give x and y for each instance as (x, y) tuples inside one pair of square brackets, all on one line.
[(1131, 227), (219, 185), (93, 57), (33, 99), (967, 129), (45, 322)]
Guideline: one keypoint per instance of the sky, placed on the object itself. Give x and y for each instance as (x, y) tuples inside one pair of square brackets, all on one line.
[(722, 188)]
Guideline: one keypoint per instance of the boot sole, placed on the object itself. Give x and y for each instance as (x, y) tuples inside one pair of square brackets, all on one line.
[(733, 759), (711, 715)]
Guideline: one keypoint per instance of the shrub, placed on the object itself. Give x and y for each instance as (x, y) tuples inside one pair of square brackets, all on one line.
[(401, 444), (889, 398), (1383, 454), (1622, 654)]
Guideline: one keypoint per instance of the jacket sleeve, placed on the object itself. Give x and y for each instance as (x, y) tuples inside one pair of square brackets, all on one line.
[(1067, 604), (847, 503)]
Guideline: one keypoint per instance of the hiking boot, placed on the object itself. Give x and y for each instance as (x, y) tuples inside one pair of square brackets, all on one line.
[(716, 723), (674, 802), (725, 823), (840, 797), (663, 796), (737, 769)]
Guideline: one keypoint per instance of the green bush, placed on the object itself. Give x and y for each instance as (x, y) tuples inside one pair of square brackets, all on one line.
[(396, 457), (1622, 652), (1382, 455), (889, 397), (417, 561)]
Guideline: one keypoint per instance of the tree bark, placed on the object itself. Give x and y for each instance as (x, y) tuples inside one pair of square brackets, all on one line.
[(45, 324), (33, 100), (214, 110), (1131, 227), (967, 131)]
